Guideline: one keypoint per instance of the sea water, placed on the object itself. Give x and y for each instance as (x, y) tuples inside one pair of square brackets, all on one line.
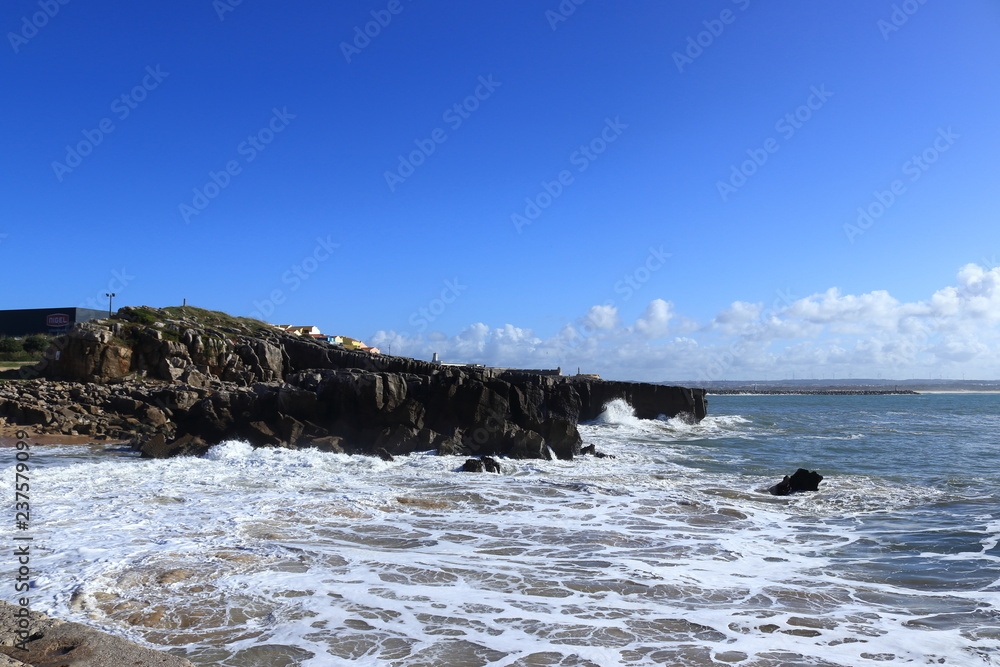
[(670, 553)]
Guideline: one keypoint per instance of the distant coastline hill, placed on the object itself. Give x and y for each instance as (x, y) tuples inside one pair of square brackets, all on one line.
[(847, 387)]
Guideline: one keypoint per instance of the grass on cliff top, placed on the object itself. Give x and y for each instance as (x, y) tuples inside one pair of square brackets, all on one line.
[(205, 318)]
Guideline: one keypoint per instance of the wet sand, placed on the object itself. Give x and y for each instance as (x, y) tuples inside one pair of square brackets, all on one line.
[(8, 437)]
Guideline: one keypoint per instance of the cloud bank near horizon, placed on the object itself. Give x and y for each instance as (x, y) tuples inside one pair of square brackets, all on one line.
[(952, 333)]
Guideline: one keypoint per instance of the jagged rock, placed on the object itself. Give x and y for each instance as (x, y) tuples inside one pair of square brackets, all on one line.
[(154, 416), (384, 455), (329, 444), (36, 415), (800, 480), (484, 464), (259, 434), (157, 447), (473, 465), (592, 450), (290, 429)]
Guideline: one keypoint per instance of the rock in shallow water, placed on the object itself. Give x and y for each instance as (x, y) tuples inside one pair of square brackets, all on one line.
[(801, 480), (485, 464)]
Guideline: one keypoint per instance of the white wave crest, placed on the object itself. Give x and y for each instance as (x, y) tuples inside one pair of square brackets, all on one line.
[(619, 411)]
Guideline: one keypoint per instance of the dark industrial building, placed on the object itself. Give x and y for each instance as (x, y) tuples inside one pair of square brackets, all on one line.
[(45, 320)]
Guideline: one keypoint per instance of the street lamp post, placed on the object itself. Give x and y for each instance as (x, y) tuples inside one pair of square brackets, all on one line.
[(110, 295)]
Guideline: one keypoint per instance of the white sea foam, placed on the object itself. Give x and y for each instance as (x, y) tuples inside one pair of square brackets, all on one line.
[(619, 411), (271, 556)]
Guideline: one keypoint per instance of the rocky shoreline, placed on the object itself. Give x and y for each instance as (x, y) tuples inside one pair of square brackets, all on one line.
[(32, 639), (177, 381)]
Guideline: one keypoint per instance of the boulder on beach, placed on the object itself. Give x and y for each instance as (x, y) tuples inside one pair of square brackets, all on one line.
[(800, 480)]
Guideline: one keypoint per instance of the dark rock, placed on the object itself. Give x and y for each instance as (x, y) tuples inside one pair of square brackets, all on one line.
[(592, 450), (157, 447), (259, 434), (383, 454), (473, 465), (154, 416), (290, 429), (331, 444), (484, 464), (800, 480)]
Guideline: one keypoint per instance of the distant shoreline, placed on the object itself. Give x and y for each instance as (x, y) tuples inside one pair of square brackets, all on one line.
[(843, 392), (814, 392), (958, 391)]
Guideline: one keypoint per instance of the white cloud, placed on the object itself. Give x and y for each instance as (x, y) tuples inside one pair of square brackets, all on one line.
[(601, 318), (738, 317), (827, 334), (655, 322)]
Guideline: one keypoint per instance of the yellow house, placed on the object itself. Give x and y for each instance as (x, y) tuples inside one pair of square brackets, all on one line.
[(351, 343)]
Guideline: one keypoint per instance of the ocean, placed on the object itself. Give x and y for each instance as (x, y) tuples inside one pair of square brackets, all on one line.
[(670, 553)]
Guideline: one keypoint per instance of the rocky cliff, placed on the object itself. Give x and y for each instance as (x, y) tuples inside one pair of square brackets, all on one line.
[(176, 381)]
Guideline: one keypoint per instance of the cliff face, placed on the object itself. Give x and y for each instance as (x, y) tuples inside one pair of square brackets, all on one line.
[(191, 384)]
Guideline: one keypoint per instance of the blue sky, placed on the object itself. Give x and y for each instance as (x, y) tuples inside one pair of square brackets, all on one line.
[(647, 190)]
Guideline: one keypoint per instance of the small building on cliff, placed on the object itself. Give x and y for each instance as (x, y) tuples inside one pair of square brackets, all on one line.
[(52, 321)]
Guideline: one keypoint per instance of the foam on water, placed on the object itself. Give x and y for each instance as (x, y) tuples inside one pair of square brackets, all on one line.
[(274, 557), (619, 412)]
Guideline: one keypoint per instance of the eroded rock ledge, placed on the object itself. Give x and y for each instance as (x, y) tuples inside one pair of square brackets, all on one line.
[(176, 382), (46, 641)]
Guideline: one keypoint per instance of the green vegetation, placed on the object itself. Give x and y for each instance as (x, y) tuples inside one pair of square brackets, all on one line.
[(143, 316), (203, 317), (27, 349), (176, 319), (212, 318)]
